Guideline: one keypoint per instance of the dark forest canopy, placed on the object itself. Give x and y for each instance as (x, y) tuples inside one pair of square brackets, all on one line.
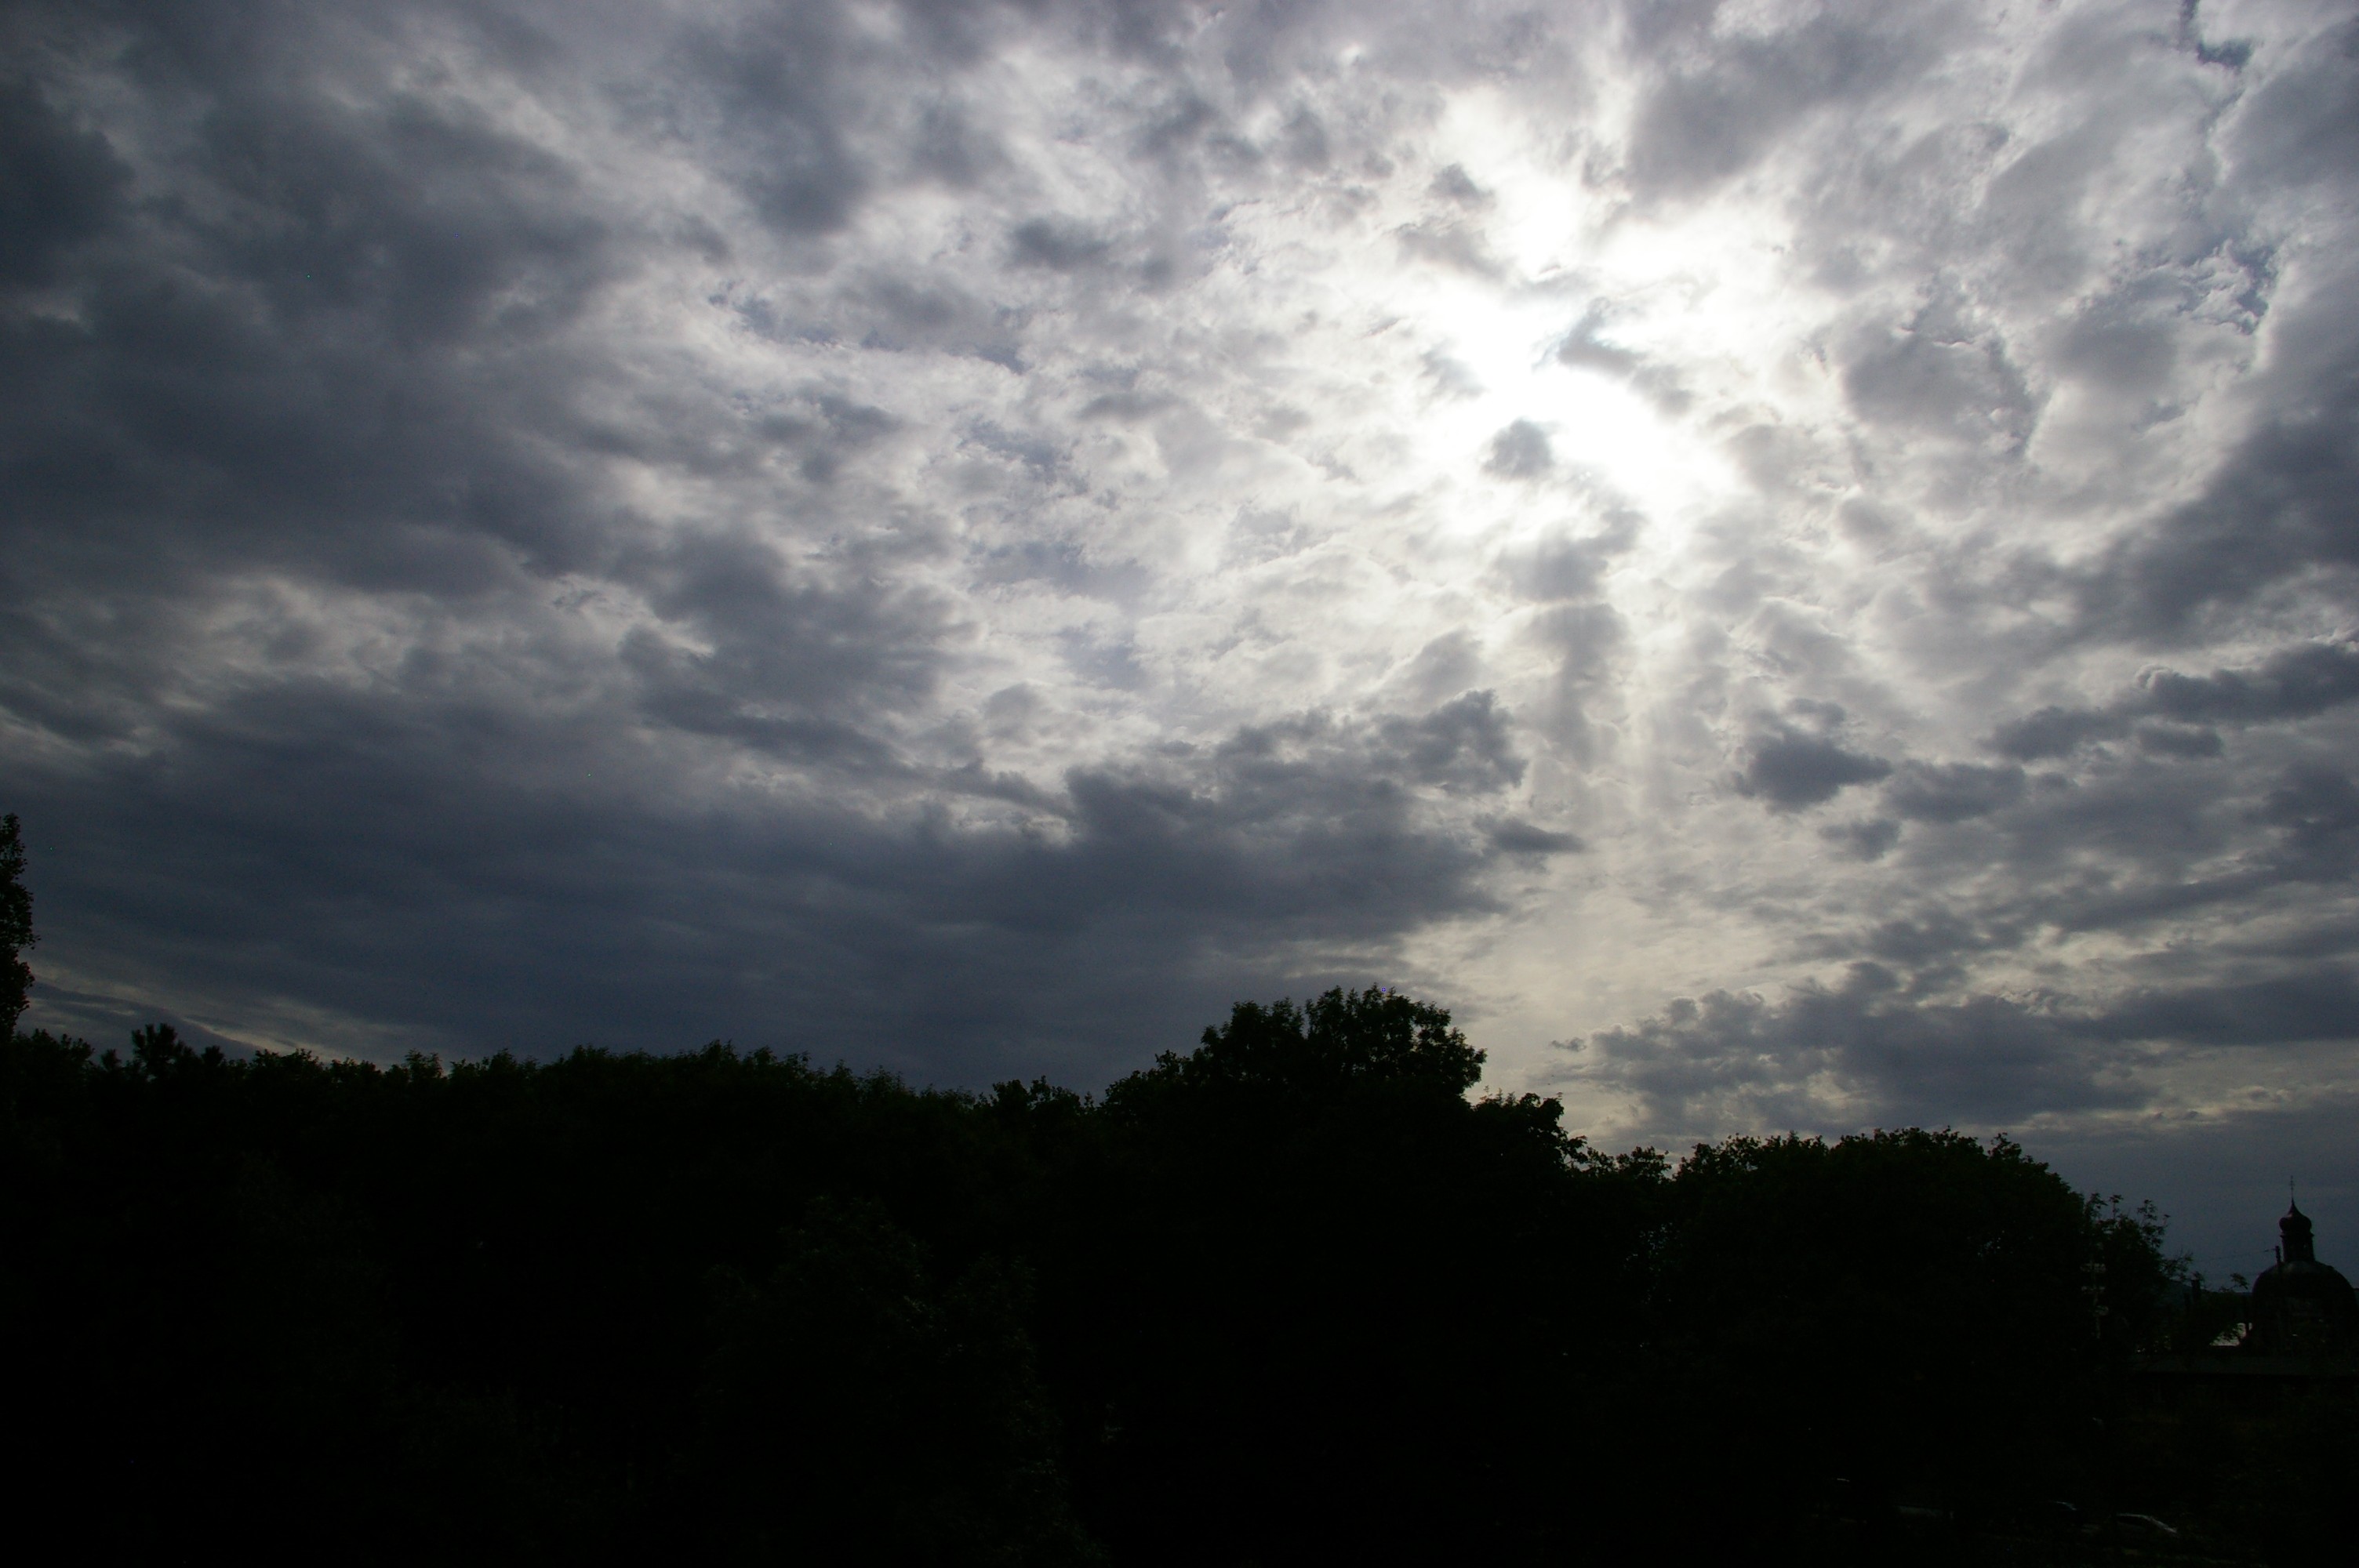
[(1289, 1295), (1296, 1296)]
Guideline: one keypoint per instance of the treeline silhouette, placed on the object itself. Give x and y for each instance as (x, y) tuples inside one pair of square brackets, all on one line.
[(1293, 1297), (1290, 1296)]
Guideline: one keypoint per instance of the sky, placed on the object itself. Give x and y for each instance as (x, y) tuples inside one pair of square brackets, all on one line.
[(1796, 566)]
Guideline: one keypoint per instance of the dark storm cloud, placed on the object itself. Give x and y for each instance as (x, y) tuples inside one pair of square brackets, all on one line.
[(457, 875), (2054, 732), (1951, 791), (352, 365), (1869, 840), (1868, 1051), (776, 655), (771, 98), (1463, 747), (1512, 837), (2294, 682), (2179, 740), (1858, 1054), (2280, 508), (2140, 842), (1790, 767), (340, 347), (2319, 1005), (336, 362), (2315, 808), (1058, 244), (59, 184)]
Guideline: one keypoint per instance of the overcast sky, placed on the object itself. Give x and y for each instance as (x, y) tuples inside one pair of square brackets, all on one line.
[(1793, 564)]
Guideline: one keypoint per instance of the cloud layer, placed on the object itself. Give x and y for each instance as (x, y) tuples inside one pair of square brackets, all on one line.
[(1805, 551)]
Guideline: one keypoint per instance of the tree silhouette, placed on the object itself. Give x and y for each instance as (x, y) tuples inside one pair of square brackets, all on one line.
[(17, 932), (1296, 1296)]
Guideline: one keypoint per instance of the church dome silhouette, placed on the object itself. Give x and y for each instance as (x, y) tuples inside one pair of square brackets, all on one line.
[(2302, 1305)]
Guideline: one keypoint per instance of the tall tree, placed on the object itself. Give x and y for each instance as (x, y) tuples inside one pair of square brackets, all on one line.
[(15, 924)]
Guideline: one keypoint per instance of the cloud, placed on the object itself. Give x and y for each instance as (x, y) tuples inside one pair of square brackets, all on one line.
[(1454, 184), (1865, 1052), (2316, 809), (1951, 791), (1868, 840), (2276, 510), (1719, 116), (1939, 375), (1463, 746), (59, 186), (2054, 733), (2294, 682), (1520, 450), (765, 94), (2303, 124), (1854, 1055), (2319, 1005), (1059, 245), (1790, 768), (463, 876), (1839, 1058), (1514, 838), (972, 535)]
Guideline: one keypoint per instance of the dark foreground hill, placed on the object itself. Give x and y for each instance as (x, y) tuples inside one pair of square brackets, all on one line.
[(1292, 1298)]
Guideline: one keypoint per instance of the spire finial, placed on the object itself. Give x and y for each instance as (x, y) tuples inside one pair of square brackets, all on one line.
[(2294, 1230)]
